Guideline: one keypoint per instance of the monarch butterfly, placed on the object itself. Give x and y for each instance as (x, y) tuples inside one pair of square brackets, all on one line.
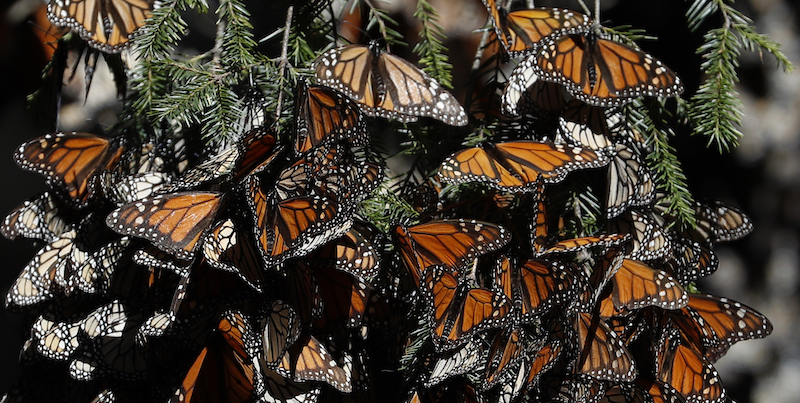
[(716, 222), (589, 126), (106, 25), (223, 371), (577, 388), (324, 116), (650, 240), (93, 274), (544, 359), (691, 260), (296, 226), (328, 173), (69, 161), (517, 166), (629, 182), (152, 257), (535, 286), (599, 71), (457, 311), (43, 217), (155, 326), (279, 389), (281, 328), (105, 396), (56, 340), (130, 188), (112, 329), (386, 85), (38, 280), (451, 244), (603, 355), (309, 360), (712, 324), (526, 94), (659, 392), (344, 297), (729, 223), (505, 356), (544, 242), (456, 362), (227, 248), (524, 31), (353, 253), (635, 285), (84, 366), (173, 222), (624, 393), (250, 155), (686, 370)]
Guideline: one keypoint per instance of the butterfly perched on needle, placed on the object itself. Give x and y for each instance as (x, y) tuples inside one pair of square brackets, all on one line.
[(386, 85), (107, 25)]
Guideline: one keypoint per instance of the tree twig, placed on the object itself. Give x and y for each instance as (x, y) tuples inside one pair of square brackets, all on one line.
[(284, 61)]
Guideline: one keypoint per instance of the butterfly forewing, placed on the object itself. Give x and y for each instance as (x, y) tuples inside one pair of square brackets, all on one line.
[(519, 165), (603, 355), (524, 31), (452, 244), (458, 311), (325, 116), (70, 161), (636, 285), (172, 222)]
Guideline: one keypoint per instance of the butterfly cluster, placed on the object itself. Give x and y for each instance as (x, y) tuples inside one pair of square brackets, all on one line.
[(258, 273)]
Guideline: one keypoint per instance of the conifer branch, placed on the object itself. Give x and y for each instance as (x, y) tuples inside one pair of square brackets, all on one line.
[(165, 27), (651, 122), (430, 49), (716, 110), (283, 62), (383, 20), (238, 44)]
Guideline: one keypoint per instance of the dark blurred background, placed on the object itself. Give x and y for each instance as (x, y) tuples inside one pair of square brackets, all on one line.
[(762, 176)]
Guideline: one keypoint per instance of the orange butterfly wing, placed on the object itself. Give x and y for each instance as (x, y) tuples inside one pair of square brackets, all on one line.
[(636, 285), (69, 160), (324, 116), (452, 244), (603, 355), (173, 222), (601, 72), (457, 314), (518, 165), (106, 25)]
